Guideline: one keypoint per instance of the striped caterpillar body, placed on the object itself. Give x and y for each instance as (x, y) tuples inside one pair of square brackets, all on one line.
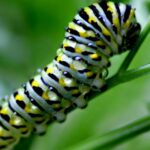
[(96, 33)]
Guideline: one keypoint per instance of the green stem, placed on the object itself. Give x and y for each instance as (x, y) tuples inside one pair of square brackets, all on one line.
[(133, 52), (125, 77), (115, 137), (128, 75)]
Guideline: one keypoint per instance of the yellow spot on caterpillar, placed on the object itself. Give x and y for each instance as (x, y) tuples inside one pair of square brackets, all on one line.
[(27, 109), (35, 83), (78, 50), (90, 14), (91, 19), (62, 82), (72, 66), (110, 7), (65, 45), (115, 19), (131, 16), (32, 109), (87, 10), (4, 111), (2, 131), (45, 96), (71, 25), (116, 22), (127, 24), (106, 32), (89, 74), (83, 34), (101, 43), (19, 97), (49, 70), (94, 56), (78, 29), (16, 121), (59, 58), (90, 33)]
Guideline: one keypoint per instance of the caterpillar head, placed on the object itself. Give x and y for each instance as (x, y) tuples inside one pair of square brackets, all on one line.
[(131, 36)]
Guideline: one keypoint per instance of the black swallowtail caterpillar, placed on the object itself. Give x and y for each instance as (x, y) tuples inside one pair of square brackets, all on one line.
[(96, 33)]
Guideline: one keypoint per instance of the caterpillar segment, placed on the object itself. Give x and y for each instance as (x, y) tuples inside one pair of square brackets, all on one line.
[(14, 124), (92, 56), (22, 104), (47, 97), (95, 34), (7, 139), (66, 84)]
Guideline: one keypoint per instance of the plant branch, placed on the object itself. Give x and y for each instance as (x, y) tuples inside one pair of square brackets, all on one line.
[(133, 52), (129, 75), (125, 77), (115, 137)]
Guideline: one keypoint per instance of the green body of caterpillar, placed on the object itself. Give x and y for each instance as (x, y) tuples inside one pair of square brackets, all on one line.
[(96, 33)]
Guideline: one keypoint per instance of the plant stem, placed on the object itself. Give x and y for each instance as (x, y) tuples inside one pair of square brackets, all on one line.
[(125, 77), (129, 75), (115, 137), (132, 53)]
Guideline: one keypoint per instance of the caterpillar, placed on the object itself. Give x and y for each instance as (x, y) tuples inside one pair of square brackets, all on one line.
[(95, 34)]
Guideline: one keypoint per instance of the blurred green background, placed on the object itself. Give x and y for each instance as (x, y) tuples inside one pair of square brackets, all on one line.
[(30, 33)]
